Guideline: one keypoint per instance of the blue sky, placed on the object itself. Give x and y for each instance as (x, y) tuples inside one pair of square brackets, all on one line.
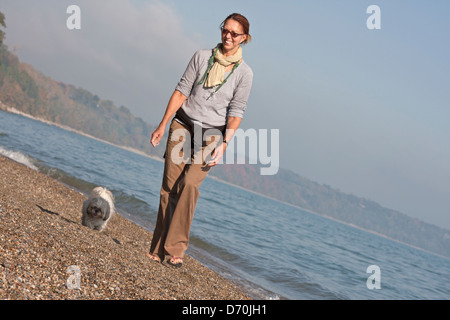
[(364, 111)]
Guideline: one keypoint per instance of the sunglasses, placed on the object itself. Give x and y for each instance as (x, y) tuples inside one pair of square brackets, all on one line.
[(233, 34)]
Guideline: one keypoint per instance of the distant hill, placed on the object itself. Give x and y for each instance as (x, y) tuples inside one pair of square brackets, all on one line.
[(27, 90), (31, 92)]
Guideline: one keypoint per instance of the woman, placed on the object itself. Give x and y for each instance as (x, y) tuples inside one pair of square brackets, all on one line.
[(213, 93)]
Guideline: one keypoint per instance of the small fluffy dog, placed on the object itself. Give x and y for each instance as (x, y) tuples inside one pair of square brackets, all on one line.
[(98, 209)]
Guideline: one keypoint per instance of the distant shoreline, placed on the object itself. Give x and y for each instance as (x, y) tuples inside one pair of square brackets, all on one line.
[(67, 128)]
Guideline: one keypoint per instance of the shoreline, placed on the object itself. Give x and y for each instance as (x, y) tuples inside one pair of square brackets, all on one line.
[(44, 247)]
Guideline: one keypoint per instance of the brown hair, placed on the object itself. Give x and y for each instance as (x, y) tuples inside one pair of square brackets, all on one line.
[(244, 23)]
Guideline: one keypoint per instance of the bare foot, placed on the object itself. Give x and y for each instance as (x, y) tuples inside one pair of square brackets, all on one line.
[(153, 257), (176, 262)]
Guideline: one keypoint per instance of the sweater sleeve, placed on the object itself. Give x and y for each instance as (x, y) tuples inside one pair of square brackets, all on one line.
[(189, 77), (238, 104)]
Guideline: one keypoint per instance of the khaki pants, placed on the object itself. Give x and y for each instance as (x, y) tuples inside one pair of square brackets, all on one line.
[(179, 193)]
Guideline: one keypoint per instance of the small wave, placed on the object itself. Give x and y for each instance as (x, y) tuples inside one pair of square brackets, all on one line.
[(19, 157), (66, 178)]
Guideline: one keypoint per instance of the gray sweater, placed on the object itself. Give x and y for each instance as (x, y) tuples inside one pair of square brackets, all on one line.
[(207, 107)]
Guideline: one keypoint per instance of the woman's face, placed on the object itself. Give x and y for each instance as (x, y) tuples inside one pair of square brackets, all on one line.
[(232, 36)]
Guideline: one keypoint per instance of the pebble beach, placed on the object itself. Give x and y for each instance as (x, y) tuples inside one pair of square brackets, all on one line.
[(47, 254)]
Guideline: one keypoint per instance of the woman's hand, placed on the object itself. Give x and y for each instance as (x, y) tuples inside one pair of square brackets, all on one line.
[(217, 155), (157, 135), (232, 125), (175, 102)]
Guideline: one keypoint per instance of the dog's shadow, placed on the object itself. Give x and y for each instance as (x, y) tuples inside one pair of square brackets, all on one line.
[(55, 214), (67, 220)]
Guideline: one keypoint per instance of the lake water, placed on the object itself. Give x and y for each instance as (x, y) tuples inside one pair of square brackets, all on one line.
[(271, 249)]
